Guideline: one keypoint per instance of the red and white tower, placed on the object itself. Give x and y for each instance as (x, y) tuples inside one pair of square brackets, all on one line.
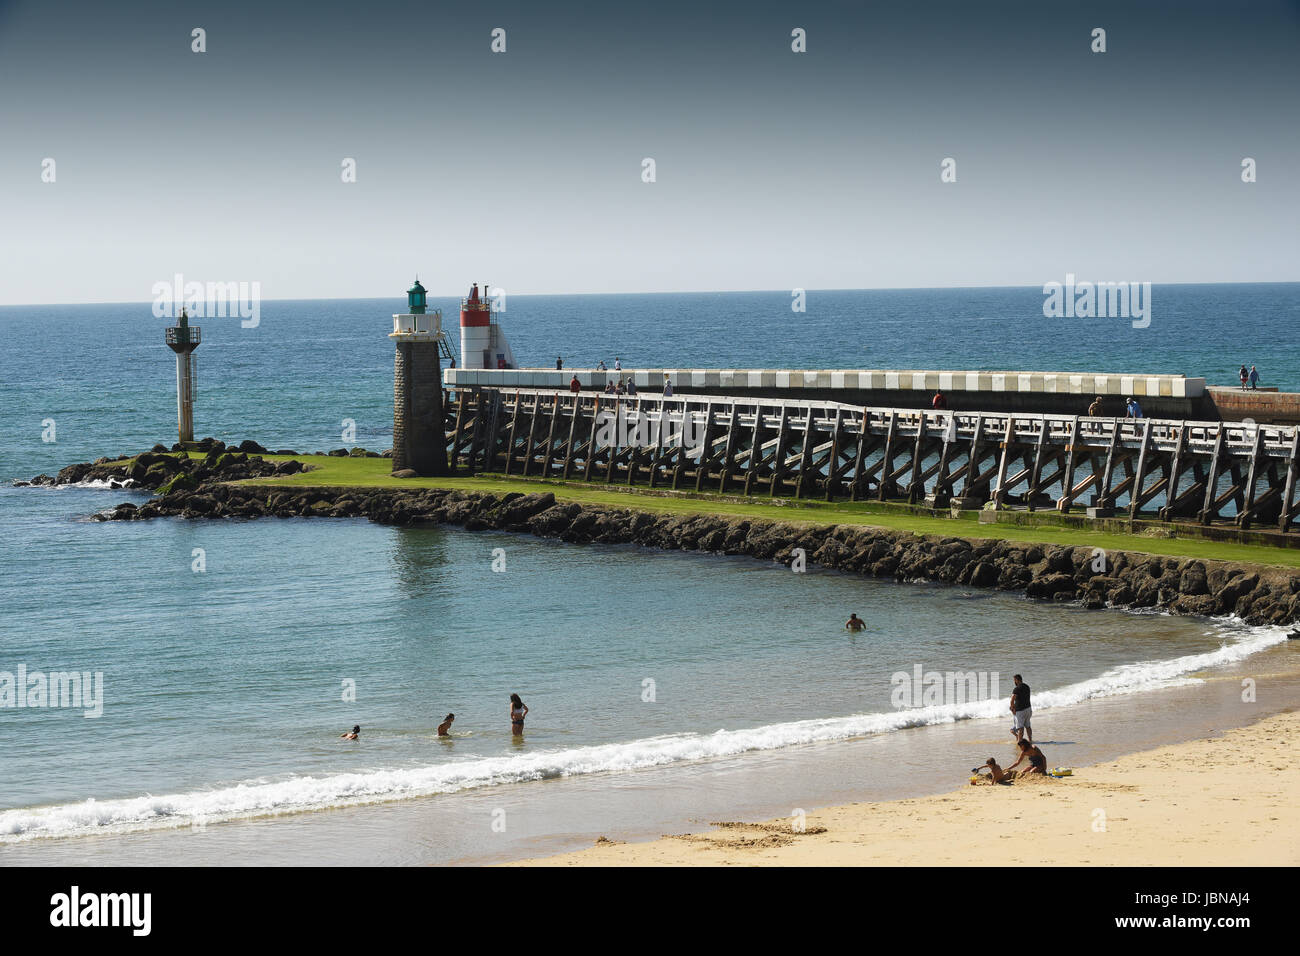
[(482, 343)]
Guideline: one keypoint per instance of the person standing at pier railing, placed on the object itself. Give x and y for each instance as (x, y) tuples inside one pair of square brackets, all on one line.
[(1095, 408), (1132, 409), (631, 386), (574, 385), (940, 400), (668, 386), (559, 364)]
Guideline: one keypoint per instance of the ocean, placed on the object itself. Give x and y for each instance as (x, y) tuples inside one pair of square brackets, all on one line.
[(664, 688)]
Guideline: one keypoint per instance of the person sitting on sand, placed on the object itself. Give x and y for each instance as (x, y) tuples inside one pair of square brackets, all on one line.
[(444, 728), (1037, 762), (352, 734), (996, 773), (854, 623)]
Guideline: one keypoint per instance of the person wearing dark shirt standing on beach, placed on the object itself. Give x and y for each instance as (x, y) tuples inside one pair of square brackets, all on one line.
[(1021, 711)]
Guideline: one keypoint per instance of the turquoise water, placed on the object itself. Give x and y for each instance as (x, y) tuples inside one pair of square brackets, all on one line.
[(223, 689)]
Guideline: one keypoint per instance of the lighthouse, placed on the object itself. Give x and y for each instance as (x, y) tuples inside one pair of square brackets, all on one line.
[(183, 339), (482, 343), (419, 437)]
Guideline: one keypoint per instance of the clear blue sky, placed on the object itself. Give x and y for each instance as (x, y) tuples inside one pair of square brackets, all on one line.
[(775, 169)]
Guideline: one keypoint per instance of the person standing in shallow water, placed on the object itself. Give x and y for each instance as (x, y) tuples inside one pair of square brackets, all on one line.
[(517, 714)]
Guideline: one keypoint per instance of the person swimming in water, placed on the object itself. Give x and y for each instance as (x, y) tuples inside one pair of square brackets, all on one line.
[(1037, 761), (444, 728), (854, 623), (517, 714), (352, 734)]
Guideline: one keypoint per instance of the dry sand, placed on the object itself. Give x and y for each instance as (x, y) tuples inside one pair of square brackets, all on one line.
[(1233, 799)]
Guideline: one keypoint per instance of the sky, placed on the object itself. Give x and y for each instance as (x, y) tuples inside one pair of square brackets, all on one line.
[(773, 169)]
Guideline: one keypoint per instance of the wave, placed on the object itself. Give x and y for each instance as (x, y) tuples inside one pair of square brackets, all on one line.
[(114, 484), (300, 794)]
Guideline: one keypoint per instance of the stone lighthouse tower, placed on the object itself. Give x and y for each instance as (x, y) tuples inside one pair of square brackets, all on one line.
[(183, 339), (419, 435)]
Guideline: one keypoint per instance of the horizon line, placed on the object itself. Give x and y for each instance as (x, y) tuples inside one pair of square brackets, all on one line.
[(432, 295)]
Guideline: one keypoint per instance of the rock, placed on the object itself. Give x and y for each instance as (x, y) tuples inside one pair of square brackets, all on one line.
[(248, 446), (405, 473), (1051, 585), (338, 453), (1193, 579), (1225, 599), (985, 575), (181, 481)]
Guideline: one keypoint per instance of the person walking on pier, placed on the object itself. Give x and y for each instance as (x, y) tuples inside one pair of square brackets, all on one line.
[(574, 385), (1254, 378), (517, 714), (618, 365), (1244, 376)]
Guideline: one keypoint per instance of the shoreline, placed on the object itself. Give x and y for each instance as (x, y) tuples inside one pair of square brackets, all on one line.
[(1224, 800), (222, 484)]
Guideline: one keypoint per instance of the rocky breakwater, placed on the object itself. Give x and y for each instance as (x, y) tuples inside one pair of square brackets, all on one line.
[(170, 473), (1258, 594)]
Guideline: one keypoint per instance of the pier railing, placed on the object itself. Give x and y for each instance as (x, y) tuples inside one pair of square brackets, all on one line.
[(798, 448)]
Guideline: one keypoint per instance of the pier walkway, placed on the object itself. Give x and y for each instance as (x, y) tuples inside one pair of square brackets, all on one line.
[(788, 447)]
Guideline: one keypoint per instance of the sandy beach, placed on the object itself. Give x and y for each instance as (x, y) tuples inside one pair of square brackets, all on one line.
[(1227, 800)]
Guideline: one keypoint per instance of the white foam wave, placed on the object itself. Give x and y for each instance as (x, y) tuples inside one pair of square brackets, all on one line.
[(299, 794)]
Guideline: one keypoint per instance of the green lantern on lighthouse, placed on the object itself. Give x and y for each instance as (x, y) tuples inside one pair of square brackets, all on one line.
[(415, 298)]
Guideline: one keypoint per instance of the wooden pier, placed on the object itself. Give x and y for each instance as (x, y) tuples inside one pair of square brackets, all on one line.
[(1199, 470)]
